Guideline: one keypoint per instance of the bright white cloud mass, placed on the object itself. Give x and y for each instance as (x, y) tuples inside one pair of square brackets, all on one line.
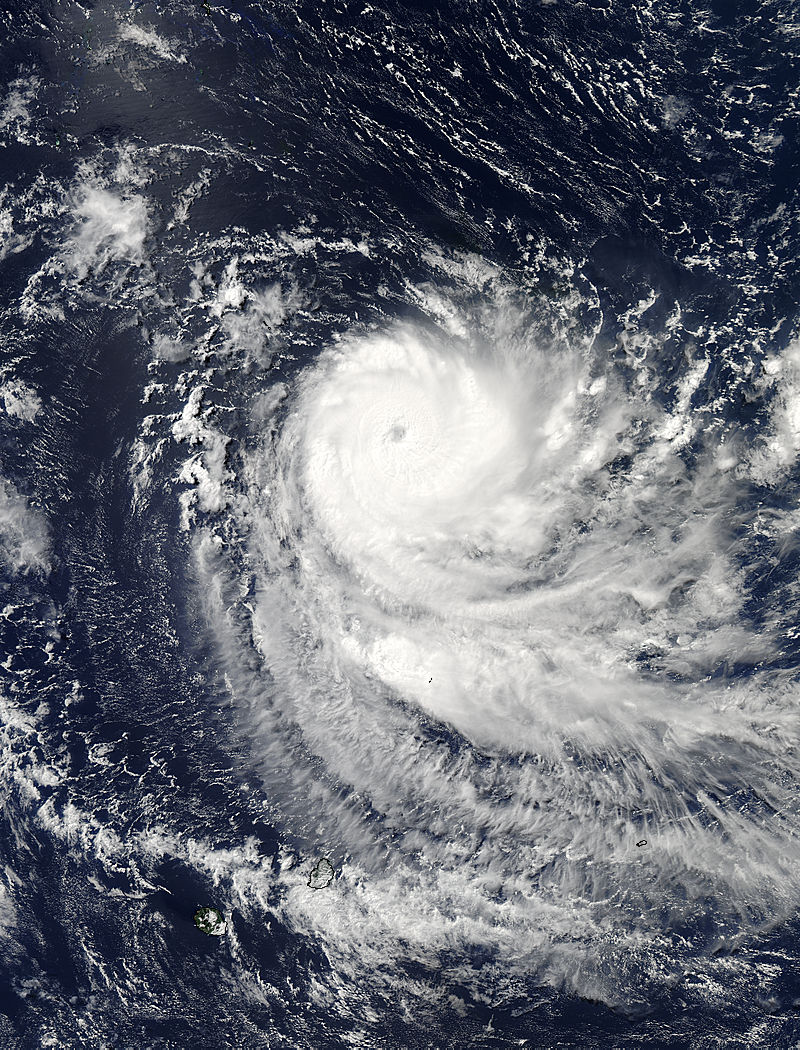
[(454, 535), (110, 228)]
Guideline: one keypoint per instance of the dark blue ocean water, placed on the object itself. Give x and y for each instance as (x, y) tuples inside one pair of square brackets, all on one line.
[(595, 154)]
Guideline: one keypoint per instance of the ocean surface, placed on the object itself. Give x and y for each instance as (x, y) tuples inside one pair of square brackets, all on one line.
[(399, 524)]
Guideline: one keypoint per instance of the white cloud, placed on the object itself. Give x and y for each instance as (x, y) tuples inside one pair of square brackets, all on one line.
[(231, 293), (151, 41), (249, 315), (23, 533), (249, 329), (19, 400), (206, 470), (109, 228), (208, 473), (674, 110), (15, 116), (166, 348), (776, 453)]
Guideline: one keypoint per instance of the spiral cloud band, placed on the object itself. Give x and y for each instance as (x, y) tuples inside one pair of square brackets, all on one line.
[(497, 610)]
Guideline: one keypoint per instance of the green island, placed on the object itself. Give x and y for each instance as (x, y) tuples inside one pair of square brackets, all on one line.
[(321, 874), (210, 921)]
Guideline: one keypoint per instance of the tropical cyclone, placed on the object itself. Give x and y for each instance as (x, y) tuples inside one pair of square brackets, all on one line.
[(502, 541), (439, 479)]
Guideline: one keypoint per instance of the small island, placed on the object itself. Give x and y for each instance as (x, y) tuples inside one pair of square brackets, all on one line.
[(321, 874), (210, 921)]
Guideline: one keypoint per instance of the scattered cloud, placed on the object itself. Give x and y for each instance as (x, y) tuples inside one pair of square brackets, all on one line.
[(24, 539), (19, 400), (110, 227), (151, 41)]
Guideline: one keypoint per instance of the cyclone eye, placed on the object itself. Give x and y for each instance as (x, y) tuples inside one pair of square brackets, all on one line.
[(397, 432)]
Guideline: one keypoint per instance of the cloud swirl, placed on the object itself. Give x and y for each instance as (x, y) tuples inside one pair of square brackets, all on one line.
[(508, 664)]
